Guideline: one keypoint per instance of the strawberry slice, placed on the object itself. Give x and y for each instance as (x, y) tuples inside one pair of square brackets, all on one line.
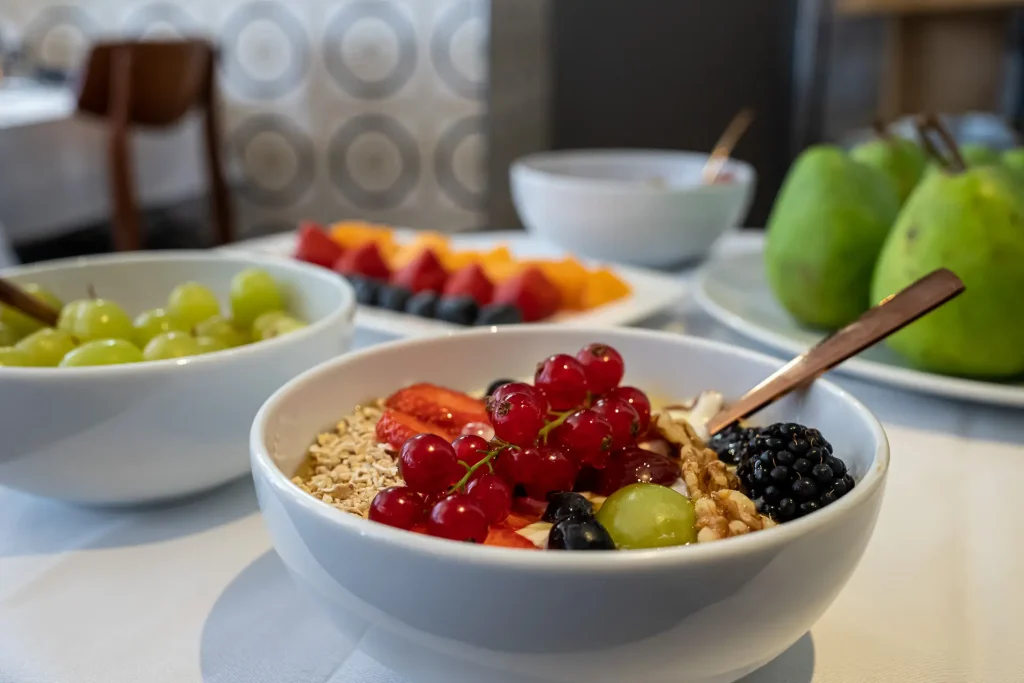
[(315, 246), (365, 260), (424, 273), (395, 428), (532, 292), (434, 405), (470, 281), (503, 536)]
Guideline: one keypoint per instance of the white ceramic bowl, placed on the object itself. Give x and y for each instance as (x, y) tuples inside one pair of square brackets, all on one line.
[(150, 431), (644, 207), (438, 611)]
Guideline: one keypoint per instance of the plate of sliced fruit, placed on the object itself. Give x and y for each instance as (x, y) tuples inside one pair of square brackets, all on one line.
[(413, 284)]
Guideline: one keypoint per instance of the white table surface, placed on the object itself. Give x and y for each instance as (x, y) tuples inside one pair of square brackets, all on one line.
[(47, 152), (193, 592)]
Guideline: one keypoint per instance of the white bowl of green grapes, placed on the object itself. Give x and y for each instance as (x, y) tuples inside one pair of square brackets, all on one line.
[(146, 387)]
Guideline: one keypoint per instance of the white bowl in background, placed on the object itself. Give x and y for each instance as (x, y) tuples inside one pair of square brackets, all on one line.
[(436, 611), (643, 207), (143, 432)]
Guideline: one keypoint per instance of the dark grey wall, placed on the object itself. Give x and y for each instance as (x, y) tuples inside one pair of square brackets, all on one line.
[(671, 74)]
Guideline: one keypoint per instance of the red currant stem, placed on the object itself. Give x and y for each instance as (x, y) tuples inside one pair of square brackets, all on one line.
[(546, 429), (486, 460)]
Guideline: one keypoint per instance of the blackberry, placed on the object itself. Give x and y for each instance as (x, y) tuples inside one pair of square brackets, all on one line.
[(367, 289), (499, 314), (393, 297), (790, 472), (733, 443), (564, 504), (423, 304), (461, 310)]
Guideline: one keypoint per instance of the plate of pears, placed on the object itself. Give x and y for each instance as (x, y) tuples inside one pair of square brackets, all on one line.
[(850, 228)]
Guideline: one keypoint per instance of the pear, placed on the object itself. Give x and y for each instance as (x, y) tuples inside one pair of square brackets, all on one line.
[(971, 222), (975, 154), (1013, 161), (824, 233), (901, 159)]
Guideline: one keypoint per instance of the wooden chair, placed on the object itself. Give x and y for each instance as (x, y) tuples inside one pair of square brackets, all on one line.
[(153, 84)]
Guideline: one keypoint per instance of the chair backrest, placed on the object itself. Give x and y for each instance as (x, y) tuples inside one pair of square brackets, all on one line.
[(165, 79)]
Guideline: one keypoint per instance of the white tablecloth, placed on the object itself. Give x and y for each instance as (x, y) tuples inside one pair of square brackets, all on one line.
[(193, 593)]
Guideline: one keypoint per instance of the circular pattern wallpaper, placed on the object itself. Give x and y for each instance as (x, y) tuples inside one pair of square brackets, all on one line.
[(374, 161), (160, 21), (276, 158), (370, 49), (59, 37), (265, 50), (458, 48)]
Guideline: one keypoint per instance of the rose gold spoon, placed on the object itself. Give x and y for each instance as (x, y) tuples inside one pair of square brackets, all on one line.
[(15, 297), (723, 148), (877, 323)]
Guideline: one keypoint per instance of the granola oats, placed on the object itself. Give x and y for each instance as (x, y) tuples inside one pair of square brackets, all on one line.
[(346, 467)]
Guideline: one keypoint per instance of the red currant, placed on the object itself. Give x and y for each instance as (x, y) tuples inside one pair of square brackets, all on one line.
[(557, 472), (518, 465), (585, 436), (428, 464), (638, 400), (563, 381), (397, 506), (603, 366), (494, 495), (632, 465), (470, 449), (515, 388), (623, 419), (482, 429), (458, 517), (517, 418)]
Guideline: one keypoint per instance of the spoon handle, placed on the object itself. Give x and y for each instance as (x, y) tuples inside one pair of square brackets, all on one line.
[(878, 322), (723, 148), (15, 297)]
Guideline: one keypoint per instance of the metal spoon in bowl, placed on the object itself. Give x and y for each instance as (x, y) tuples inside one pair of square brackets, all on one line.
[(877, 323), (15, 297)]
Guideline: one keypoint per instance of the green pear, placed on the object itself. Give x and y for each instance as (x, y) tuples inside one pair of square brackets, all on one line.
[(900, 159), (972, 223), (976, 154), (824, 233)]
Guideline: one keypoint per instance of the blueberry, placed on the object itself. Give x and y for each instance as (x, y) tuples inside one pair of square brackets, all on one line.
[(393, 297), (496, 384), (566, 504), (575, 533), (367, 289), (499, 314), (423, 304), (461, 310)]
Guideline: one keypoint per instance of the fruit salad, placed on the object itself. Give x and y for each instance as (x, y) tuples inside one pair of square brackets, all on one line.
[(429, 278), (97, 331), (572, 460)]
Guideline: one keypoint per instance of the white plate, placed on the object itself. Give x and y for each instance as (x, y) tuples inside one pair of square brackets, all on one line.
[(652, 291), (735, 291)]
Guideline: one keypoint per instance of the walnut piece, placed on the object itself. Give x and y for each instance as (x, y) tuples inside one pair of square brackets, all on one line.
[(726, 513)]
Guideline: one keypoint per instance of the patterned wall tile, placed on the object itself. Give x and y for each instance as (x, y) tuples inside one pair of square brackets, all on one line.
[(332, 108)]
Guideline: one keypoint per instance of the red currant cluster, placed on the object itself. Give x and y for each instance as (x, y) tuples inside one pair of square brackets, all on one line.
[(571, 422)]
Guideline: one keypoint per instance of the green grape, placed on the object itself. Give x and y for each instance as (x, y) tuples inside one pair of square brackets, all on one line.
[(102, 352), (219, 328), (281, 325), (149, 324), (91, 319), (171, 345), (69, 314), (8, 335), (210, 344), (19, 322), (648, 516), (192, 303), (11, 357), (263, 322), (47, 346), (253, 292)]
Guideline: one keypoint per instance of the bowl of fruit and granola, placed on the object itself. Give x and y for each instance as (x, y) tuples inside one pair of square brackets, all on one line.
[(145, 387), (432, 496)]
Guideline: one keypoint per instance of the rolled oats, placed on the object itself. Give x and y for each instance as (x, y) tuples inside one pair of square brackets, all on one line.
[(346, 467)]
